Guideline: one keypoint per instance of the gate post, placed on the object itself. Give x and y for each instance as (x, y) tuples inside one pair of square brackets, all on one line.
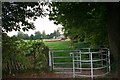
[(91, 65), (50, 61), (109, 59), (73, 65), (80, 62)]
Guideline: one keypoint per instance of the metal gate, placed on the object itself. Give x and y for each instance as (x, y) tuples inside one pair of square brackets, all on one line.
[(61, 61), (85, 62)]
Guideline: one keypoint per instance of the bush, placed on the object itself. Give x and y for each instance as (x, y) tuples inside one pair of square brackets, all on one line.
[(20, 55), (81, 45)]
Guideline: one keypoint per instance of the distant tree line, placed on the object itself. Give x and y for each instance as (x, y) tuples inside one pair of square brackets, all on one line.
[(37, 35)]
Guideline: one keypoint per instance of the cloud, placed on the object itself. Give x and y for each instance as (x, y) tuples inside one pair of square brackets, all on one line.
[(41, 24)]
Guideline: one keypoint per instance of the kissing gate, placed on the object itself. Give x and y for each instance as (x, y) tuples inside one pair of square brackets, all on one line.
[(85, 62)]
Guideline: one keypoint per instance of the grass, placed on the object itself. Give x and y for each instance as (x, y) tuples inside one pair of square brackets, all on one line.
[(64, 45), (59, 45)]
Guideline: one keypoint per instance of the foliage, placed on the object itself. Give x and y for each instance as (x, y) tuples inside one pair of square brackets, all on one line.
[(15, 15), (38, 49), (9, 48), (81, 21), (38, 35), (22, 52), (81, 45)]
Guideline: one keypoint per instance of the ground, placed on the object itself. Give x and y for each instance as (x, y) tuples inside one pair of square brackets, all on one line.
[(47, 76), (37, 75)]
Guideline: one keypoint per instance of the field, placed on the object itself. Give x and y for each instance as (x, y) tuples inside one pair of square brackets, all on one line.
[(59, 45), (64, 45)]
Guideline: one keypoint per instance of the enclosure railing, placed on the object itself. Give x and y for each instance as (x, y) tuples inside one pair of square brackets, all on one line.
[(61, 61), (97, 61), (85, 62)]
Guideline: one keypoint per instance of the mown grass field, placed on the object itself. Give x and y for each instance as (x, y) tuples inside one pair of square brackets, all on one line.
[(64, 45), (59, 45)]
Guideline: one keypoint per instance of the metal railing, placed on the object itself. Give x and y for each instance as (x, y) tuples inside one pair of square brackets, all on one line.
[(85, 62)]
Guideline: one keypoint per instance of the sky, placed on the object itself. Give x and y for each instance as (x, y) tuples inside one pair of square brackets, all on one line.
[(41, 24)]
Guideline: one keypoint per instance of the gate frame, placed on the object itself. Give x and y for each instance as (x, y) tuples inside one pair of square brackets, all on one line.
[(51, 61)]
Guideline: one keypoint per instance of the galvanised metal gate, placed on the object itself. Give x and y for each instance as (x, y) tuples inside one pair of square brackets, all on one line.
[(85, 62), (61, 61)]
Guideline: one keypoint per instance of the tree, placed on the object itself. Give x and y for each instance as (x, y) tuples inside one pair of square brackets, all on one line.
[(43, 34), (51, 35), (16, 14), (48, 36), (57, 33), (90, 20), (32, 37), (20, 35), (38, 35), (113, 24), (26, 37), (87, 21)]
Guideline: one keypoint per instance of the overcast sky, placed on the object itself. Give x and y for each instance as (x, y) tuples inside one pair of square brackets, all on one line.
[(41, 24)]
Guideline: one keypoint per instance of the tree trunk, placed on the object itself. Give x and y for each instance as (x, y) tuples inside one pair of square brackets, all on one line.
[(114, 36)]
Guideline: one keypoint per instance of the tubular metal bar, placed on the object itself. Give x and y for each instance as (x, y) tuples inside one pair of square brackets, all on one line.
[(73, 66), (90, 60), (63, 63), (63, 57), (80, 63), (109, 59), (65, 51), (91, 65), (93, 75), (76, 58), (77, 51), (91, 52), (93, 68), (63, 68), (52, 60)]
